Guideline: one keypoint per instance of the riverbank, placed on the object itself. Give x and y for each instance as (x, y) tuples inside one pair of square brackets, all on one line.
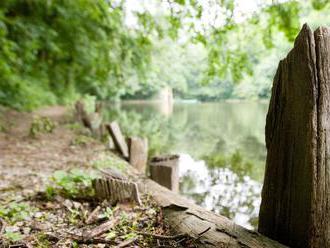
[(47, 162)]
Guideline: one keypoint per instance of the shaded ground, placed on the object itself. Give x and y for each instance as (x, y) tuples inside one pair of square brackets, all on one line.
[(36, 211), (23, 158)]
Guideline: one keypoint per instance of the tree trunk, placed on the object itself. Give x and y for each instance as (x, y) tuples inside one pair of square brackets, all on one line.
[(295, 202)]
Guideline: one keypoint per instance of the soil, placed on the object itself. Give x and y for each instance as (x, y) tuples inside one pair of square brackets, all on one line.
[(27, 162), (30, 218)]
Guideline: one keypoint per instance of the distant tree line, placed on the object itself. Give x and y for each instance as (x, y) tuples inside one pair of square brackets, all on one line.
[(51, 52)]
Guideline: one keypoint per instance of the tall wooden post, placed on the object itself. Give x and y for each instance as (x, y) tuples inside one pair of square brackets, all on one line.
[(295, 208)]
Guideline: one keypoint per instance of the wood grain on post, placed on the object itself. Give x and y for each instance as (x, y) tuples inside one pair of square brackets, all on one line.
[(295, 208), (165, 171), (118, 138), (138, 153), (116, 190)]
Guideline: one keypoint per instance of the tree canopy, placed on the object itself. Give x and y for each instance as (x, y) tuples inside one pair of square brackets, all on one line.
[(53, 51)]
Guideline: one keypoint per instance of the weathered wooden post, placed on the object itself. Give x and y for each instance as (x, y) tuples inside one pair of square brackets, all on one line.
[(165, 171), (295, 208), (118, 138), (138, 153), (93, 121)]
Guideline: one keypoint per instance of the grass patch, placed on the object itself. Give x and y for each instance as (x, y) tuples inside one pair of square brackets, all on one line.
[(42, 241), (77, 127), (109, 161), (81, 140), (72, 184), (15, 212), (3, 128), (12, 236)]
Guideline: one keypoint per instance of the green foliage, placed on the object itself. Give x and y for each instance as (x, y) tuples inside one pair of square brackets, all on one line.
[(150, 124), (41, 124), (81, 140), (235, 162), (111, 235), (285, 17), (42, 241), (319, 4), (89, 103), (50, 51), (71, 184), (108, 213), (3, 129), (110, 162), (15, 212), (76, 127), (12, 236)]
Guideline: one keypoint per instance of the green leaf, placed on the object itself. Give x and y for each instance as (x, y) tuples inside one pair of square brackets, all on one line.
[(13, 236)]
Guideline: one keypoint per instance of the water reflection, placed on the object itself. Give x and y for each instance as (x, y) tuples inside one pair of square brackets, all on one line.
[(221, 190), (225, 139)]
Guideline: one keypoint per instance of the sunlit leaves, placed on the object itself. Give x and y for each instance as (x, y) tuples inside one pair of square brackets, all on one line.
[(181, 2), (319, 4), (285, 17)]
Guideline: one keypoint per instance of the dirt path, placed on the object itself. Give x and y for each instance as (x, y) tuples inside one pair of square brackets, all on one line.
[(32, 215), (26, 162)]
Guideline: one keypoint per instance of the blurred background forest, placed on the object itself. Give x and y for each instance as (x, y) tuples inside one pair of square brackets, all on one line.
[(52, 52)]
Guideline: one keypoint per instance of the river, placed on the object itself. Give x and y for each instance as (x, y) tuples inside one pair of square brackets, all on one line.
[(221, 146)]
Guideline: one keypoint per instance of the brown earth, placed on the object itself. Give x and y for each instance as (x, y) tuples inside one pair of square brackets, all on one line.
[(30, 219), (26, 162)]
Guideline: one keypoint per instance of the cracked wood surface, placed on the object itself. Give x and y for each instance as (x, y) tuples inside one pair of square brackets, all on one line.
[(186, 217), (295, 206)]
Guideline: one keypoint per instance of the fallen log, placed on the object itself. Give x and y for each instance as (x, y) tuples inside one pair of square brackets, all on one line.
[(188, 218)]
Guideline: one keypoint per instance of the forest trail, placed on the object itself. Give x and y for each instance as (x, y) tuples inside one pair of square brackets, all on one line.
[(27, 162), (46, 195)]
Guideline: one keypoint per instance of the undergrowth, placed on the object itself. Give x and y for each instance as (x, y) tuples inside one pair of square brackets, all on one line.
[(72, 184), (41, 124), (15, 212), (108, 161)]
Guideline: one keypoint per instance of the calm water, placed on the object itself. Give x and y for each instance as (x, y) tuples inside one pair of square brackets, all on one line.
[(221, 145)]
